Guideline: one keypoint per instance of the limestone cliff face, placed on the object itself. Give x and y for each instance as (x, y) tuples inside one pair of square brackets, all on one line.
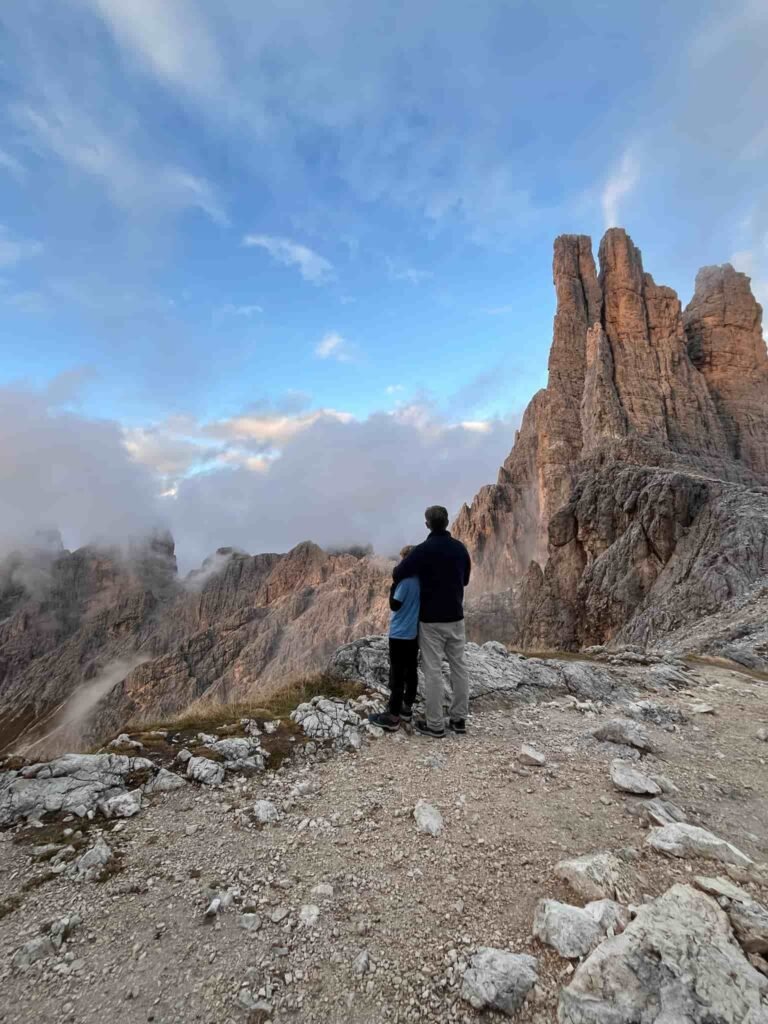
[(620, 511), (225, 633)]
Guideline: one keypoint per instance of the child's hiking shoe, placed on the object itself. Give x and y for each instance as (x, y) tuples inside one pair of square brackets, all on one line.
[(458, 725), (390, 723), (424, 729)]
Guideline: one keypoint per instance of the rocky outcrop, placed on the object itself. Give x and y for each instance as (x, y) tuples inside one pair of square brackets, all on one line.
[(676, 961), (634, 500)]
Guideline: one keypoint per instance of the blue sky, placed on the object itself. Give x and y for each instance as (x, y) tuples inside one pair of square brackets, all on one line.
[(229, 228)]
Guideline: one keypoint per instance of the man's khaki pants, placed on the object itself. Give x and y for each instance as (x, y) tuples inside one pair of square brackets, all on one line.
[(438, 641)]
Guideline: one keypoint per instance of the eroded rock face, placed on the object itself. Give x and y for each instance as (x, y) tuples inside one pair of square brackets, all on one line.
[(633, 501), (147, 643)]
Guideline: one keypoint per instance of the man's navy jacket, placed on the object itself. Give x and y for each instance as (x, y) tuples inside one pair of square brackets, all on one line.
[(443, 566)]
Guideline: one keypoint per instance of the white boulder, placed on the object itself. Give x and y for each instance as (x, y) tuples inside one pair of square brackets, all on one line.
[(206, 771)]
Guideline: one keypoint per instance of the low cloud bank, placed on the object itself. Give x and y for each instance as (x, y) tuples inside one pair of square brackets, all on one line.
[(335, 480)]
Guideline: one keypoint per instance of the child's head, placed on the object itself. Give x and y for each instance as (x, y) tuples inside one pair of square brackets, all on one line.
[(407, 550)]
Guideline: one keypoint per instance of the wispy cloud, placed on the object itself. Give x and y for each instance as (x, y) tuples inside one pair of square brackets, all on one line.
[(11, 165), (130, 181), (311, 265), (410, 274), (170, 39), (14, 250), (230, 309), (394, 389), (334, 346), (499, 310), (620, 183)]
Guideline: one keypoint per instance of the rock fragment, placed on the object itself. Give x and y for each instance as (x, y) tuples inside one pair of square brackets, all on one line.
[(571, 931), (530, 756), (682, 840), (593, 876), (206, 771), (265, 812), (624, 731), (124, 805), (428, 818), (628, 779), (498, 980)]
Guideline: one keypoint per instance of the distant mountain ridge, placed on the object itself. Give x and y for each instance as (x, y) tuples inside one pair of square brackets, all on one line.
[(632, 509)]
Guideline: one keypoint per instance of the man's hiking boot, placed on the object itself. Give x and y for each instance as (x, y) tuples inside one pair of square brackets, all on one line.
[(390, 723), (458, 725), (406, 714), (422, 727)]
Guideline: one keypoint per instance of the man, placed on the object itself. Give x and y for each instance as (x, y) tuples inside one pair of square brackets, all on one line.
[(442, 566)]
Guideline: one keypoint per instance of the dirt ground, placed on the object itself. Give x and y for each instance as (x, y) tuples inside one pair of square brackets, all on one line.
[(417, 905)]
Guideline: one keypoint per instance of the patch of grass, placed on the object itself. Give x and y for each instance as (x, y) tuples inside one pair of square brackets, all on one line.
[(203, 716)]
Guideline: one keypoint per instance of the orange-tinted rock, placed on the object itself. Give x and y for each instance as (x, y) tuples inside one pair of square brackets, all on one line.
[(623, 483)]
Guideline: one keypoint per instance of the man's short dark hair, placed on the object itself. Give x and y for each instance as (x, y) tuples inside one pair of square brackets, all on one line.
[(437, 517)]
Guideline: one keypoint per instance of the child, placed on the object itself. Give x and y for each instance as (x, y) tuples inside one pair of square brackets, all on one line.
[(404, 600)]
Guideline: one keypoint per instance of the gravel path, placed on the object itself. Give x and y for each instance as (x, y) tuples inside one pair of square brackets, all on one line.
[(388, 933)]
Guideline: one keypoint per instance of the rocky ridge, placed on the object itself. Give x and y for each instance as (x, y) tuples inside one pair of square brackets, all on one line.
[(106, 637), (634, 500)]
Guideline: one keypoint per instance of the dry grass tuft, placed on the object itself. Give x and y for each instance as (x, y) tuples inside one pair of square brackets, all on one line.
[(277, 703)]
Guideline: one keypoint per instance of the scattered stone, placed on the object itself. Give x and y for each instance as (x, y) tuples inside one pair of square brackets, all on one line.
[(529, 755), (325, 719), (625, 732), (278, 915), (124, 741), (571, 931), (677, 961), (184, 755), (702, 709), (164, 782), (663, 812), (428, 818), (90, 866), (362, 963), (323, 890), (593, 876), (265, 812), (32, 951), (206, 771), (498, 980), (682, 840), (250, 922), (629, 779), (309, 914), (762, 734), (124, 805)]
